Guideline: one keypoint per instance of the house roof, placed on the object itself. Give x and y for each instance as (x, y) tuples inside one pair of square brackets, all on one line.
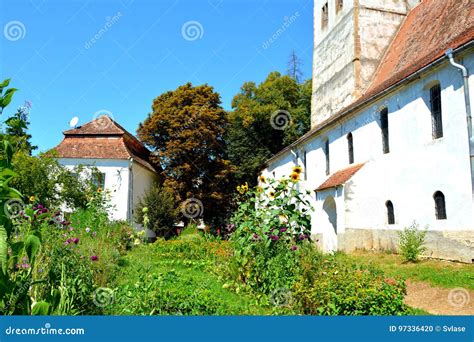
[(340, 177), (103, 138), (426, 33)]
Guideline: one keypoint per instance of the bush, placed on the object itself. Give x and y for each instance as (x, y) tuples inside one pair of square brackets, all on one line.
[(411, 242), (272, 222), (158, 211), (333, 287)]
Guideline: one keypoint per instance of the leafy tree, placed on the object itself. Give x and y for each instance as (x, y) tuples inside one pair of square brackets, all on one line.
[(265, 118), (17, 126), (186, 133)]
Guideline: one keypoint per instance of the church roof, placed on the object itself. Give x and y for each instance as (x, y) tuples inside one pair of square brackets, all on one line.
[(103, 138), (340, 177), (423, 37), (426, 33)]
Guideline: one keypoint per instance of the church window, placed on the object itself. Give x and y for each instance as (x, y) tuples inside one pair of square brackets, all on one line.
[(339, 5), (440, 205), (350, 146), (326, 154), (324, 16), (384, 128), (436, 117), (390, 212)]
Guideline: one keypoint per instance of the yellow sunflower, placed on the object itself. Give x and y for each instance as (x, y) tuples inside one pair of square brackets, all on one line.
[(295, 177), (297, 169), (32, 198), (99, 190), (242, 189), (259, 189), (263, 179), (271, 194)]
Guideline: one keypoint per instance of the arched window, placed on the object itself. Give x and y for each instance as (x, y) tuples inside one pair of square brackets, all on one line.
[(384, 129), (390, 212), (326, 154), (350, 146), (436, 115), (440, 205)]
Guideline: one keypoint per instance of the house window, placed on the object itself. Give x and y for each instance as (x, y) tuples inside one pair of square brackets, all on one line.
[(326, 153), (99, 180), (350, 146), (436, 116), (384, 129), (440, 205), (339, 5), (390, 212), (324, 16), (274, 175)]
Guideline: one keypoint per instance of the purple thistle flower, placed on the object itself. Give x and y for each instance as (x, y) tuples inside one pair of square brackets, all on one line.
[(283, 230), (76, 240), (255, 236), (94, 258), (274, 238), (25, 265), (303, 236), (294, 248)]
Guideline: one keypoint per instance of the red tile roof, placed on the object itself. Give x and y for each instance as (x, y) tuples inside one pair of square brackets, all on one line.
[(429, 29), (340, 177), (426, 33), (103, 138)]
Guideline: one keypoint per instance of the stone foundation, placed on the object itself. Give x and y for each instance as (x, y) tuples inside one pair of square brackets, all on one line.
[(447, 245)]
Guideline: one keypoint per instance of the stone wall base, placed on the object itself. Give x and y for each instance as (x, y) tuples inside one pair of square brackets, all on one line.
[(447, 245)]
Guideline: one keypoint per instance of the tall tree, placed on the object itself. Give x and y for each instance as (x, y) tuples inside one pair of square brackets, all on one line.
[(294, 67), (186, 133), (265, 118), (17, 129)]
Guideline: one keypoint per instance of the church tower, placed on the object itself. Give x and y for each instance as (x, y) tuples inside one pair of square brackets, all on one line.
[(350, 38)]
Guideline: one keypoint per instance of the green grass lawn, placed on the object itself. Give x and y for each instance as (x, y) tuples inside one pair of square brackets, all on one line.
[(175, 277), (437, 272)]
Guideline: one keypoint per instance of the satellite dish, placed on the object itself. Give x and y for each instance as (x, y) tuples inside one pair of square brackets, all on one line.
[(74, 121)]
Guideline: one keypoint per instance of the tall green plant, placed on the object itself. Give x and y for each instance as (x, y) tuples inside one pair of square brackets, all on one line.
[(411, 243)]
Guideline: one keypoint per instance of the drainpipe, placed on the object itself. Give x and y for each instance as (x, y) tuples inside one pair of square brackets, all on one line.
[(295, 155), (130, 192), (467, 100)]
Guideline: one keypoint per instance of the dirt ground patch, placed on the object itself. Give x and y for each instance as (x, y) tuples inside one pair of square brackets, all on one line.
[(440, 301)]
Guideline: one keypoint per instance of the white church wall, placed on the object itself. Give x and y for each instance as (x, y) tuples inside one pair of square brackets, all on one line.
[(116, 180), (415, 168), (143, 180)]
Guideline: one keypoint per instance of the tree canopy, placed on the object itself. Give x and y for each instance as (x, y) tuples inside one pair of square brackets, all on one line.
[(266, 118), (185, 131)]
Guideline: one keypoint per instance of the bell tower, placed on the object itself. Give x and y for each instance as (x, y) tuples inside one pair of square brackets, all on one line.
[(350, 38)]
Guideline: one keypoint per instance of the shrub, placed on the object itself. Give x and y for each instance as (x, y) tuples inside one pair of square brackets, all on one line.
[(157, 210), (333, 287), (411, 242), (272, 222)]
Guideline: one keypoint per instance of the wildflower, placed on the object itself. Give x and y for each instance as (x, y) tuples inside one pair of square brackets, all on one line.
[(136, 242), (283, 230), (94, 234), (94, 258), (242, 189), (271, 194), (68, 241), (99, 190), (303, 236), (259, 189), (255, 236), (274, 238), (25, 265), (32, 198), (294, 248), (76, 241), (297, 169), (88, 230), (295, 177), (263, 179)]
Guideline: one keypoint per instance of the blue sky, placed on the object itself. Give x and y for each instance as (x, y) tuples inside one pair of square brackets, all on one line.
[(80, 58)]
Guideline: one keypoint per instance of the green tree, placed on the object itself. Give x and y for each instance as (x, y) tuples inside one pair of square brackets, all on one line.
[(186, 130), (266, 118), (17, 127)]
